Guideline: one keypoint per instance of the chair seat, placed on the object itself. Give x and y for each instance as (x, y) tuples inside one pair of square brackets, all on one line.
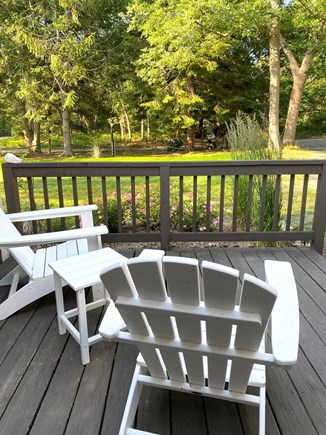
[(44, 256)]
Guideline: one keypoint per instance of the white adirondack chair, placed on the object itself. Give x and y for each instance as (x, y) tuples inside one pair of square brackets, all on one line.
[(34, 265), (210, 346)]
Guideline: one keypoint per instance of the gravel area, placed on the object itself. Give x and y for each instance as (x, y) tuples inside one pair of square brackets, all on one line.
[(139, 245)]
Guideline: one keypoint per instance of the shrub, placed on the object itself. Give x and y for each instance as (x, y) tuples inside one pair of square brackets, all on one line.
[(174, 144)]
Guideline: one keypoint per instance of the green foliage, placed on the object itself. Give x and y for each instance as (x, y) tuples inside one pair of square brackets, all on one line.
[(312, 117)]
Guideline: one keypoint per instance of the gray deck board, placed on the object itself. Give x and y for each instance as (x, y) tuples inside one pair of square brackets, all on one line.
[(154, 410), (44, 389)]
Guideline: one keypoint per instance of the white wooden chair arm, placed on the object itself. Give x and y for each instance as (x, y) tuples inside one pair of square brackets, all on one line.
[(285, 315), (55, 237), (111, 323), (50, 213)]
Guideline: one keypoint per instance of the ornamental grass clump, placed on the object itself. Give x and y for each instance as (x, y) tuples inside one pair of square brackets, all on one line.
[(95, 150), (249, 141)]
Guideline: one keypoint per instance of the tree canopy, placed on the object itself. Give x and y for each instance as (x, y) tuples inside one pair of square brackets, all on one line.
[(172, 65)]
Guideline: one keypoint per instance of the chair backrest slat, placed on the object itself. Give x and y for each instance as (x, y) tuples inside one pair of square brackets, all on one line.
[(182, 278), (220, 288), (239, 377), (118, 281), (149, 281), (153, 361), (148, 278), (256, 297), (184, 284)]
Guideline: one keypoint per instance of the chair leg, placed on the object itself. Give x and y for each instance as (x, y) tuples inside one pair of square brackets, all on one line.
[(7, 279), (132, 401), (262, 410), (26, 295)]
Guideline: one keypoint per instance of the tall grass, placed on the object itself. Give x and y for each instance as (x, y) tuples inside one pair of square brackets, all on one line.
[(248, 140)]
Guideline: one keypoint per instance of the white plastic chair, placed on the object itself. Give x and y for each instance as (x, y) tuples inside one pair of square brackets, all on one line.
[(210, 346), (34, 265)]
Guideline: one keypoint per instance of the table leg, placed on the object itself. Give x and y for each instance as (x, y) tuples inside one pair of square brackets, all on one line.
[(98, 291), (83, 329), (59, 301)]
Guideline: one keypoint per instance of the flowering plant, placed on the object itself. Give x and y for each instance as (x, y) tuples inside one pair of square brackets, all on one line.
[(144, 209)]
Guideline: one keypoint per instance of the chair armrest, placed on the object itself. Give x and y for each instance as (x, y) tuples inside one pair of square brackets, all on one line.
[(157, 253), (50, 213), (111, 323), (285, 326), (55, 237)]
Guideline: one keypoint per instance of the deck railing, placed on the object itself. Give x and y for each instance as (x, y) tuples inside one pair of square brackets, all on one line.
[(167, 202)]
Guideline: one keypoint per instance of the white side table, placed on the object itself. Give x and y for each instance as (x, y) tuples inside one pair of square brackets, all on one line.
[(80, 272)]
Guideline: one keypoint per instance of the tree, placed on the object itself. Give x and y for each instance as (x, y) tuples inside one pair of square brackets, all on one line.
[(195, 62), (113, 90), (51, 32), (275, 78), (298, 28), (303, 36), (20, 76)]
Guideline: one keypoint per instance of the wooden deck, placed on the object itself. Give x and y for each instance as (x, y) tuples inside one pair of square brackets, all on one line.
[(44, 389)]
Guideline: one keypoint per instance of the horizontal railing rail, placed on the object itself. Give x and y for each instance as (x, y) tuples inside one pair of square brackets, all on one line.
[(165, 202)]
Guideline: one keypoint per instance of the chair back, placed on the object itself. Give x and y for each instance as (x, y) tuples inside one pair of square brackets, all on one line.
[(185, 320), (24, 255)]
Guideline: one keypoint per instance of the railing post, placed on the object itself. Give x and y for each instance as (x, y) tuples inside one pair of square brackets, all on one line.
[(165, 206), (319, 224), (11, 189), (11, 192)]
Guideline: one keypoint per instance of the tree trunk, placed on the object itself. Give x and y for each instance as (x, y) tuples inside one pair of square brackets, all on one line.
[(113, 147), (190, 138), (293, 109), (28, 133), (148, 128), (27, 128), (127, 122), (299, 78), (49, 141), (66, 130), (122, 128), (36, 145), (274, 85), (142, 129)]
